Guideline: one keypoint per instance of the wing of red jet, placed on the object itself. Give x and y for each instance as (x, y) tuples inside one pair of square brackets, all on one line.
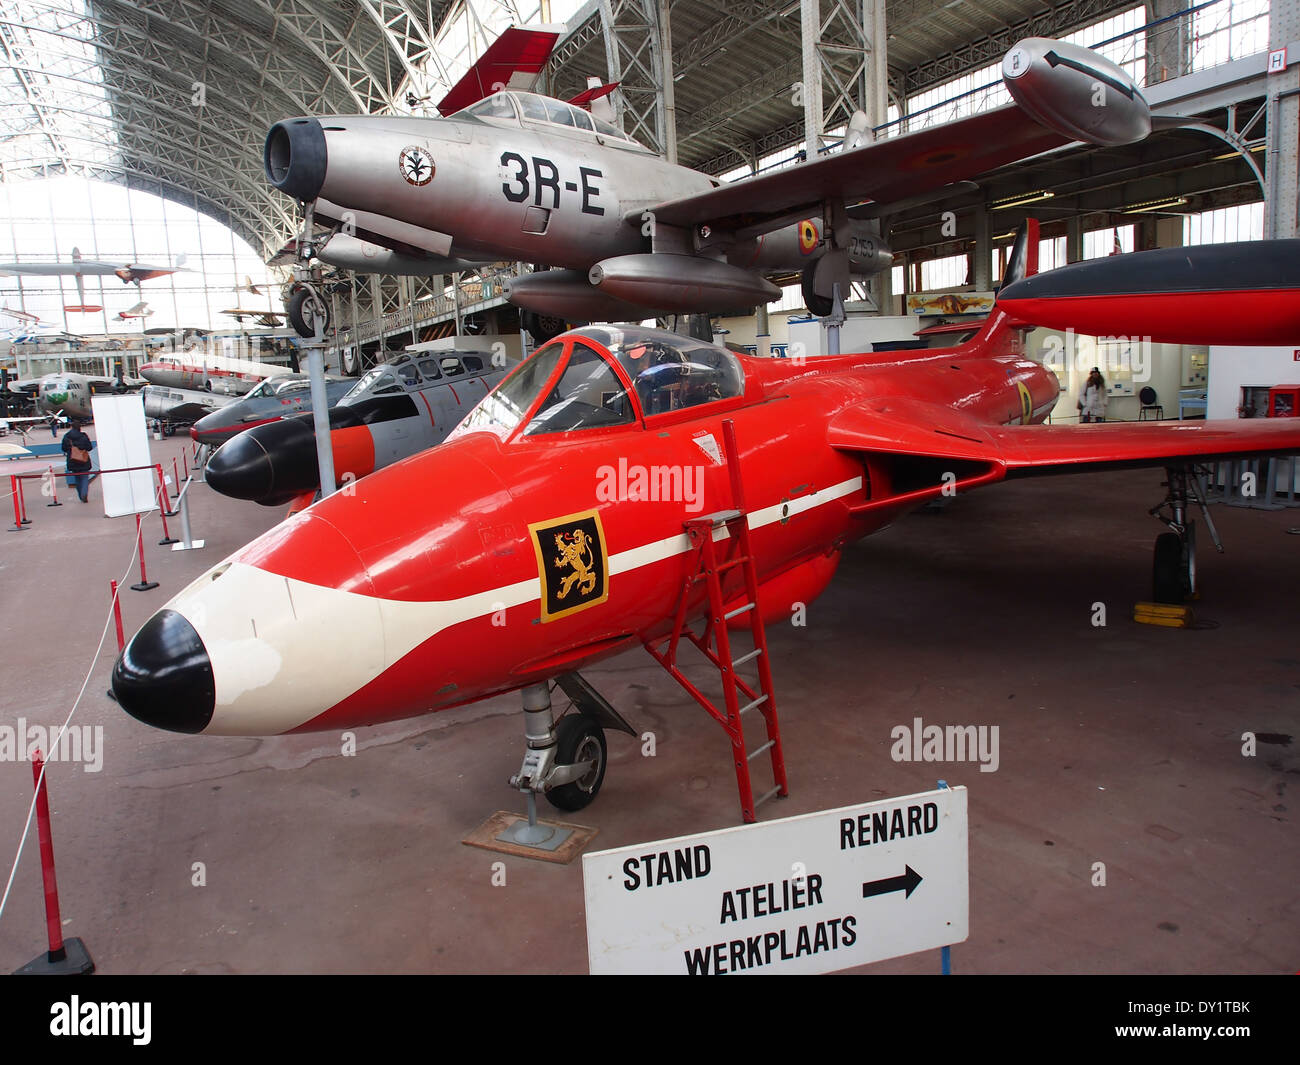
[(512, 61), (916, 435)]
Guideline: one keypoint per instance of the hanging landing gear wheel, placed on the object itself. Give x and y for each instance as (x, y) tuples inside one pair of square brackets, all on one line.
[(579, 739), (817, 305), (306, 311)]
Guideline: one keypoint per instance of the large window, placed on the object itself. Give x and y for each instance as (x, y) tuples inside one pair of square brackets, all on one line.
[(48, 221), (1226, 225)]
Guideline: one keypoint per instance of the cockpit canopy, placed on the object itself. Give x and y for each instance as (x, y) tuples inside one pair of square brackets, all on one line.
[(571, 384), (528, 107)]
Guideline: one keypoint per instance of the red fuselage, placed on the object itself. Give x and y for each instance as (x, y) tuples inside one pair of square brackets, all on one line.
[(486, 564)]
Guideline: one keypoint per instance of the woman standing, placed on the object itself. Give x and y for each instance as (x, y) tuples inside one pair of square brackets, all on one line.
[(78, 446), (1092, 398)]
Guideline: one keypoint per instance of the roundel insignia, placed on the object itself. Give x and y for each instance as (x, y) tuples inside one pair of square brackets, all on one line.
[(1026, 403), (416, 165), (808, 237)]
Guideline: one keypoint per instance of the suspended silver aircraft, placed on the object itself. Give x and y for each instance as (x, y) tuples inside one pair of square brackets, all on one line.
[(518, 176)]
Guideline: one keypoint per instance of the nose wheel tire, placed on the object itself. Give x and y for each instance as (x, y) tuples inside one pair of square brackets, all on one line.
[(1173, 570), (579, 739), (817, 305), (306, 309)]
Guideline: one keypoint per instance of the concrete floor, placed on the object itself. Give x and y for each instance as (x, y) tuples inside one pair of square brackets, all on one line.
[(1119, 745)]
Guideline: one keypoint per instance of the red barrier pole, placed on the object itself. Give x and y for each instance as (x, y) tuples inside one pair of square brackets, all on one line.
[(176, 472), (54, 487), (18, 514), (185, 460), (22, 501), (162, 484), (144, 584), (65, 957), (53, 925), (167, 537), (117, 617)]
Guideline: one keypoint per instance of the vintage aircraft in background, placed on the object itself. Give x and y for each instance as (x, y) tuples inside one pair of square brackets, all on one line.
[(275, 398), (22, 316), (267, 319), (68, 394), (139, 312), (173, 408), (80, 269), (398, 409), (518, 176), (621, 484), (211, 373)]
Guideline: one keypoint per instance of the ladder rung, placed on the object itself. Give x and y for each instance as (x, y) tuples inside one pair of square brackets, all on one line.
[(756, 703), (745, 658), (732, 562), (765, 796), (739, 610), (769, 744)]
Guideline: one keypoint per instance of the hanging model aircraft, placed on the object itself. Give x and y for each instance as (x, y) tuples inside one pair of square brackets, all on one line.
[(268, 319), (275, 398), (139, 312), (519, 176), (130, 273), (618, 487), (398, 409)]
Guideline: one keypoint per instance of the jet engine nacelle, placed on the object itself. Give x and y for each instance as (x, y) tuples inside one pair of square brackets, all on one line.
[(568, 294), (684, 282), (1076, 92)]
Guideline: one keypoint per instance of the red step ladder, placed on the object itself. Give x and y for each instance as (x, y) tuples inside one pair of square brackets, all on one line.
[(720, 543)]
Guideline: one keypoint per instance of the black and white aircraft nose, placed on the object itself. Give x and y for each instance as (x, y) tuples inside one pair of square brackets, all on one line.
[(267, 464), (295, 157), (164, 676)]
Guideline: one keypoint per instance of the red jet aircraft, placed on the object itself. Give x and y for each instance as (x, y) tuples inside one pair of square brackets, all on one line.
[(620, 485)]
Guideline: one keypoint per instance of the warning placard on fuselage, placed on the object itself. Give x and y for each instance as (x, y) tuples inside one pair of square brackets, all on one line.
[(807, 894)]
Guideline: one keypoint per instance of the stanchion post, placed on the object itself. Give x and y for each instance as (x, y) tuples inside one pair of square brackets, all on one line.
[(144, 583), (63, 956), (54, 488), (167, 536), (185, 461), (117, 617), (22, 501), (162, 484), (18, 514), (188, 543)]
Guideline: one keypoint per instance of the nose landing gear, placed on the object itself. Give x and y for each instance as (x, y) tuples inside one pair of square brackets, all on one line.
[(565, 761)]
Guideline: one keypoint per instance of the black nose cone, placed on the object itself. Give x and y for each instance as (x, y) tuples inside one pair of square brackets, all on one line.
[(164, 677), (241, 468)]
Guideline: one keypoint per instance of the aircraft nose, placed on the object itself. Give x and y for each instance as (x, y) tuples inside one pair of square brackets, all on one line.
[(295, 157), (268, 464), (164, 676)]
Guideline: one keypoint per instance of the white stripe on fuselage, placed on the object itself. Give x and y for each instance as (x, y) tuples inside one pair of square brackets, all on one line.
[(284, 651)]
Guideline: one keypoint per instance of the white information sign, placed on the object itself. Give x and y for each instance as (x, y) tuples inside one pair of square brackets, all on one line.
[(807, 894), (122, 441)]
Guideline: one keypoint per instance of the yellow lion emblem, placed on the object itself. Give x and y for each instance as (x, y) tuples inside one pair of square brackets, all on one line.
[(575, 551)]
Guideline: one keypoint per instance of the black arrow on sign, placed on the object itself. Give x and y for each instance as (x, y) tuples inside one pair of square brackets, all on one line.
[(907, 882)]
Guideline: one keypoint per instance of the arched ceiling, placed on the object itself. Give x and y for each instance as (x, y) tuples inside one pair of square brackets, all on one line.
[(175, 96)]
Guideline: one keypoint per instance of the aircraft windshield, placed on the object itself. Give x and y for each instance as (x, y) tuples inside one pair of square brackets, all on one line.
[(669, 373), (535, 108)]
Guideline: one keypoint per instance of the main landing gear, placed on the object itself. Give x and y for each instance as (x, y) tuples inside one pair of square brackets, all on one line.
[(564, 760), (1173, 570)]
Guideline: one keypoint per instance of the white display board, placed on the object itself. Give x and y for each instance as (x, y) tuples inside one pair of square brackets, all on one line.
[(122, 440), (807, 894)]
